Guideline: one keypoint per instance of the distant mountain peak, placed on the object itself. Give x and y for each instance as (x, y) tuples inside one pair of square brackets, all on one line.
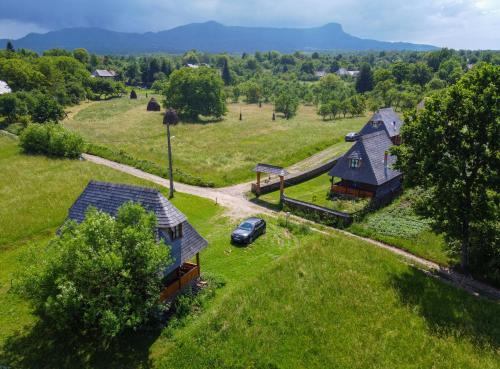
[(210, 36)]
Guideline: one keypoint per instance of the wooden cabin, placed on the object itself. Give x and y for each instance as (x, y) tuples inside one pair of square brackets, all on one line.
[(366, 169), (173, 227), (386, 120), (104, 73)]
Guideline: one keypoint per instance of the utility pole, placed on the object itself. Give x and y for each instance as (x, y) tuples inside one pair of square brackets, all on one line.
[(170, 118)]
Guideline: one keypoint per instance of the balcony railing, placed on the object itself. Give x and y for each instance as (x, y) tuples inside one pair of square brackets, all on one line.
[(187, 273)]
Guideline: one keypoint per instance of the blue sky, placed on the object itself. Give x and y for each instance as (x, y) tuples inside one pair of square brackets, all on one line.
[(469, 24)]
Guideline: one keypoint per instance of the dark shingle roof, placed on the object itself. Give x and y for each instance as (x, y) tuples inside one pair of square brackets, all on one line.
[(108, 197), (271, 169), (389, 119), (371, 150)]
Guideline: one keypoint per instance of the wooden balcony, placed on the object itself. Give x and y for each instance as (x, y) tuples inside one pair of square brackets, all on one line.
[(349, 191), (186, 273)]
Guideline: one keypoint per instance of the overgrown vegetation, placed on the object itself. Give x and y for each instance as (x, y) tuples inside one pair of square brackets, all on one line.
[(52, 140), (451, 147), (101, 277)]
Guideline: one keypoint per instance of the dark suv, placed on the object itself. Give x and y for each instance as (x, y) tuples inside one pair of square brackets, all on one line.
[(249, 230)]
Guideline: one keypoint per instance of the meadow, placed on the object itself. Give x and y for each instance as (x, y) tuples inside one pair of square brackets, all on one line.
[(207, 152), (396, 224), (293, 299)]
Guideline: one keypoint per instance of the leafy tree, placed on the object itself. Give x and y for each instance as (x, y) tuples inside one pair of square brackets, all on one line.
[(46, 109), (251, 90), (357, 105), (196, 91), (400, 70), (451, 148), (334, 108), (364, 82), (450, 71), (101, 277), (324, 111), (82, 55), (287, 103), (12, 107), (420, 73)]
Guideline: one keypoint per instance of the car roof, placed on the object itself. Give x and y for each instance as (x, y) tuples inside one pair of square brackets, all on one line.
[(252, 220)]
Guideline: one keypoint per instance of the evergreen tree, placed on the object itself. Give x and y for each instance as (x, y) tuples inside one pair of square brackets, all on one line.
[(226, 74), (364, 81), (9, 46)]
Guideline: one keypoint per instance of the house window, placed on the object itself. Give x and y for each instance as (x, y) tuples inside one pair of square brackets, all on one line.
[(354, 163), (175, 232)]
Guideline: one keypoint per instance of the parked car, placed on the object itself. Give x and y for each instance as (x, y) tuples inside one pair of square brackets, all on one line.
[(351, 136), (248, 231)]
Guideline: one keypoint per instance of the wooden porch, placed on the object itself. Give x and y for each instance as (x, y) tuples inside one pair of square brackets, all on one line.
[(185, 275), (344, 189)]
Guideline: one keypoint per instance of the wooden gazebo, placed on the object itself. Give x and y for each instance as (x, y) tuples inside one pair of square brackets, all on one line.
[(271, 170)]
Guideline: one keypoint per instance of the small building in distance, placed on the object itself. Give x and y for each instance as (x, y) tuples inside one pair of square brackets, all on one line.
[(173, 227), (320, 73), (104, 73), (343, 72), (4, 88), (387, 120), (366, 169)]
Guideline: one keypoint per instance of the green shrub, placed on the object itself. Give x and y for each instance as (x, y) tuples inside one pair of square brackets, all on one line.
[(52, 140)]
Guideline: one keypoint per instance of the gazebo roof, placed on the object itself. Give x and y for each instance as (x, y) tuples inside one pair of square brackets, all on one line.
[(271, 169)]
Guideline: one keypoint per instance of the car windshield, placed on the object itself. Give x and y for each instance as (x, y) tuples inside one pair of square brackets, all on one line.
[(246, 226)]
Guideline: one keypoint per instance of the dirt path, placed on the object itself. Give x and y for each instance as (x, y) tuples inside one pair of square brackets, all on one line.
[(233, 199)]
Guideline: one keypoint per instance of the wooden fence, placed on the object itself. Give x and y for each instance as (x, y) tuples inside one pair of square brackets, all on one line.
[(189, 272)]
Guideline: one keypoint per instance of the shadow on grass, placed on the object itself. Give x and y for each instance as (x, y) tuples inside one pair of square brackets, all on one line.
[(449, 311), (42, 348)]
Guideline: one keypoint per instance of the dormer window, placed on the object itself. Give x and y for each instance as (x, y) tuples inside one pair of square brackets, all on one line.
[(376, 123), (175, 232), (354, 163)]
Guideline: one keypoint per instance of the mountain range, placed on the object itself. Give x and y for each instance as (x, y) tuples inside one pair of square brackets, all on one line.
[(209, 37)]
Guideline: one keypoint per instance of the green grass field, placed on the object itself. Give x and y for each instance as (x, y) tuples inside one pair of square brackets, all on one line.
[(221, 153), (316, 191), (395, 224), (292, 299)]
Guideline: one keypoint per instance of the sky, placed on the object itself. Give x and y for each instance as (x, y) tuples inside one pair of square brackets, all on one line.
[(467, 24)]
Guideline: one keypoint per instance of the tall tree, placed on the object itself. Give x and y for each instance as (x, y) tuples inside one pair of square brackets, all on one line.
[(364, 82), (9, 46), (100, 277), (196, 91), (451, 148), (226, 73)]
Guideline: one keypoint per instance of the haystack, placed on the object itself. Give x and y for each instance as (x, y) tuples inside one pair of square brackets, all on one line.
[(153, 105)]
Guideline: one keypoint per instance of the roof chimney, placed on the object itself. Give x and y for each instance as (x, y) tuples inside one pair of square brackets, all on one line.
[(386, 154)]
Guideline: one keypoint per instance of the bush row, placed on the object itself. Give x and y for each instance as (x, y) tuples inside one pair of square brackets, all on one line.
[(52, 140)]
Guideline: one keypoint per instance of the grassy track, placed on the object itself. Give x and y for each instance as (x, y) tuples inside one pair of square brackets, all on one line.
[(219, 152)]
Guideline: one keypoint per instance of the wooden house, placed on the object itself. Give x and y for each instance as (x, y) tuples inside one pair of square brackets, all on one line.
[(366, 169), (104, 73), (386, 120), (173, 227)]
